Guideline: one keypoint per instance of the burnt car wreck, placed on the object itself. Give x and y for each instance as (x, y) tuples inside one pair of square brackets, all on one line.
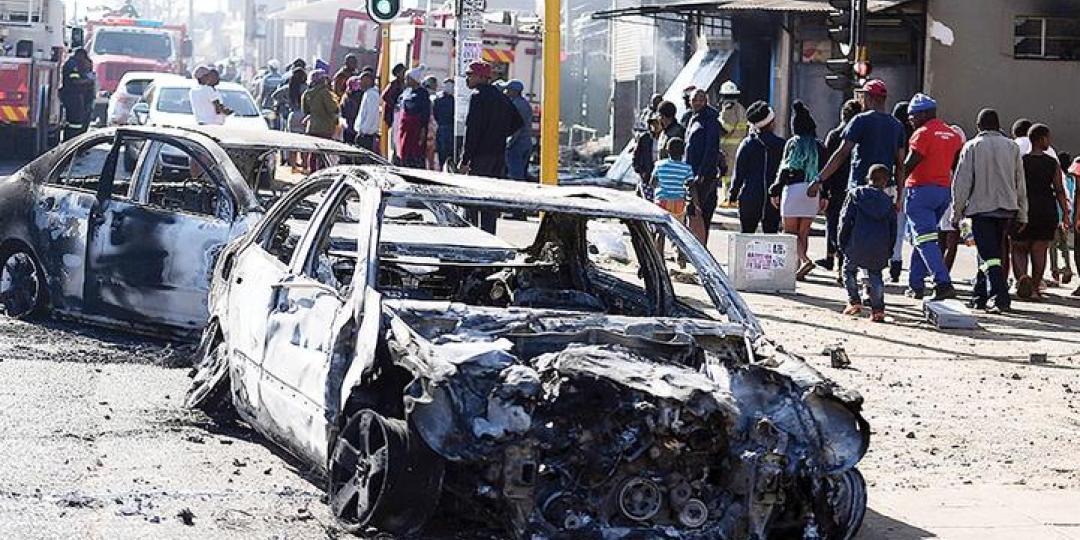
[(122, 226), (438, 374)]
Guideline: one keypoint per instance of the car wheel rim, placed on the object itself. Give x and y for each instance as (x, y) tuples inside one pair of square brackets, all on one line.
[(847, 496), (382, 475), (361, 460), (19, 285)]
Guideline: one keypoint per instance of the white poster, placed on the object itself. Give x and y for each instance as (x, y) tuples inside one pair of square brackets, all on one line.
[(764, 258)]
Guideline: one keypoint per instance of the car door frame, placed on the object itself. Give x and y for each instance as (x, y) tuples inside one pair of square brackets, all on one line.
[(245, 345), (67, 213), (320, 395), (115, 214)]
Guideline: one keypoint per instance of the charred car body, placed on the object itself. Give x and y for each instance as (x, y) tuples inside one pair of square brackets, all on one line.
[(117, 227), (557, 387)]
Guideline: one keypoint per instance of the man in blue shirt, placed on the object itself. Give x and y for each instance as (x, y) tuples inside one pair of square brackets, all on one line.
[(874, 137), (703, 155)]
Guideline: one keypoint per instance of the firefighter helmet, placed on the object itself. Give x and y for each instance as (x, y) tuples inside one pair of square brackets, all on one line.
[(729, 89)]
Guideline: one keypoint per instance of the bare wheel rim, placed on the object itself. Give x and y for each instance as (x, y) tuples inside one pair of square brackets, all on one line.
[(20, 288), (382, 475), (847, 496)]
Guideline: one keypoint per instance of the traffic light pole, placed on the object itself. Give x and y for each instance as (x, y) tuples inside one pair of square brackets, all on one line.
[(549, 115), (384, 79)]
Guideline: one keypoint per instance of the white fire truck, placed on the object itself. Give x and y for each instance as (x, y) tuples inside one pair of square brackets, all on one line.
[(32, 50)]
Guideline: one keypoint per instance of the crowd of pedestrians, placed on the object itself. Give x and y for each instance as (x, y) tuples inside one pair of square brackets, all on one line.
[(881, 179), (416, 108)]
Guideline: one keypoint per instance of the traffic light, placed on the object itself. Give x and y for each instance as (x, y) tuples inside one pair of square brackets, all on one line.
[(842, 26), (383, 11)]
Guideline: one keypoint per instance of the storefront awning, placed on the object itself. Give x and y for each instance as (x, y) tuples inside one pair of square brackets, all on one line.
[(722, 7), (323, 11)]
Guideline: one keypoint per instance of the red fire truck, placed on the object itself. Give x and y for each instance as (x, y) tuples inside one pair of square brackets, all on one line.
[(118, 45), (31, 54)]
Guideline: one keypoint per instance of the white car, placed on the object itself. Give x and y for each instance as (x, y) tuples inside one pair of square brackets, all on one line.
[(129, 91), (168, 103)]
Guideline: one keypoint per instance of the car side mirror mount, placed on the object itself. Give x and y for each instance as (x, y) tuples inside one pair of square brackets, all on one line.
[(141, 112), (187, 48)]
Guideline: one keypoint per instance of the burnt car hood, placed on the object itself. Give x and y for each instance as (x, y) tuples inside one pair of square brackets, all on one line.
[(483, 373)]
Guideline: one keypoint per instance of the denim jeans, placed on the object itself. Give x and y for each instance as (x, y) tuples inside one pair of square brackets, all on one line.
[(877, 286), (517, 159)]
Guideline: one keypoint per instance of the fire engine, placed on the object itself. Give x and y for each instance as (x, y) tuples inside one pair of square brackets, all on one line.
[(31, 54), (511, 44), (118, 45)]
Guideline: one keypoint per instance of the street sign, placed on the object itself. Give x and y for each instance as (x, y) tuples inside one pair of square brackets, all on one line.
[(472, 50)]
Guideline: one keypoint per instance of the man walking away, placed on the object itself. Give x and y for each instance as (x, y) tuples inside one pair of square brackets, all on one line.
[(835, 190), (735, 129), (868, 225), (644, 160), (77, 93), (933, 152), (756, 164), (443, 110), (874, 137), (206, 101), (703, 156), (367, 119), (519, 147), (990, 188), (491, 119), (414, 115)]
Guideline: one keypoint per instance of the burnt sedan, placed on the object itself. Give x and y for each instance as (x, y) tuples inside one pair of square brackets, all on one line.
[(562, 379), (122, 226)]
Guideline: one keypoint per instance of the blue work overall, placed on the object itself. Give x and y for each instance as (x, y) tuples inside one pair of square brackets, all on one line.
[(925, 206)]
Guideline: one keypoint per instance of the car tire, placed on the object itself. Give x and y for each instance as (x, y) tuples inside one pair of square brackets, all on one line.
[(211, 390), (847, 496), (23, 287), (383, 475)]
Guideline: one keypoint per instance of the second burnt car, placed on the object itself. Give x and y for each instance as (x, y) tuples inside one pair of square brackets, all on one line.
[(117, 227), (553, 381)]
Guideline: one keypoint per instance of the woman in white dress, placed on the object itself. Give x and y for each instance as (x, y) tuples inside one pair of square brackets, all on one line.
[(803, 157)]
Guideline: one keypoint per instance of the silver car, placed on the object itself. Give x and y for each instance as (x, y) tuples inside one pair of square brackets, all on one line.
[(563, 378), (119, 228)]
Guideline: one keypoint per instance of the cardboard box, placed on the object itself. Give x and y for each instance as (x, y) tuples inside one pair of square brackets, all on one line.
[(949, 314), (762, 262)]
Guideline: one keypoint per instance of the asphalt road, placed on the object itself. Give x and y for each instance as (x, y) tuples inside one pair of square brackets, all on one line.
[(97, 444)]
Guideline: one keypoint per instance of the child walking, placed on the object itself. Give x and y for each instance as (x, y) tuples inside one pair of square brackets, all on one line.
[(672, 175), (867, 229)]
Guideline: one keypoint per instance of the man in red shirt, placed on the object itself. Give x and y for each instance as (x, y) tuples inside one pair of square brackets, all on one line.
[(932, 155)]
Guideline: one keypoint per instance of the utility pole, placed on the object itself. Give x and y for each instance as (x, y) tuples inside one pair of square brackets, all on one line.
[(549, 114)]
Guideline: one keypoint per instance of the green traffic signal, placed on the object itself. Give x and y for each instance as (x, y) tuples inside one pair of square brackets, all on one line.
[(383, 11)]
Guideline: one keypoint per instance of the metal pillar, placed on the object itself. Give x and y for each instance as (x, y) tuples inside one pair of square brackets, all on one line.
[(384, 79), (549, 119)]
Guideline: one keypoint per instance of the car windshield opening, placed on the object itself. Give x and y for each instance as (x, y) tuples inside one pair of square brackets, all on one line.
[(563, 261), (137, 44)]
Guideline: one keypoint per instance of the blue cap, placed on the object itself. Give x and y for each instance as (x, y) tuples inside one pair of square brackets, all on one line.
[(920, 103), (515, 85)]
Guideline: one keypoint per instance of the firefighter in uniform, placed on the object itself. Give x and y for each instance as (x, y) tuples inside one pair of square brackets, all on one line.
[(77, 93), (733, 120)]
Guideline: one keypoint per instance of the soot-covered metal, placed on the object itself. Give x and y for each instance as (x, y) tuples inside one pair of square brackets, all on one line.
[(444, 380)]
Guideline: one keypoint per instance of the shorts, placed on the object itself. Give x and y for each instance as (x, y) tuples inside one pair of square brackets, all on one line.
[(677, 207)]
